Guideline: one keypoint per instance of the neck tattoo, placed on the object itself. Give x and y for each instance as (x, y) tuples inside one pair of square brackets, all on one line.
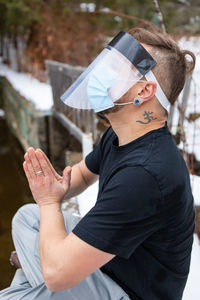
[(147, 117)]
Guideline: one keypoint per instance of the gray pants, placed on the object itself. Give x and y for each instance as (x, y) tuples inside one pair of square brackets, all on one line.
[(28, 282)]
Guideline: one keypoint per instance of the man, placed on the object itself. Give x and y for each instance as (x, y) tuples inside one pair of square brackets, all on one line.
[(135, 243)]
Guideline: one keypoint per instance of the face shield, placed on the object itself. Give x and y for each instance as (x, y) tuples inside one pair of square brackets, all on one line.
[(122, 63)]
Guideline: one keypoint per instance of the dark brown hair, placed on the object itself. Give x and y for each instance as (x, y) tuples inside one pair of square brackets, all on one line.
[(172, 65)]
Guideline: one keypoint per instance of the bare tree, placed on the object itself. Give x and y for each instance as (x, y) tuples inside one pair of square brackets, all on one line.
[(160, 15)]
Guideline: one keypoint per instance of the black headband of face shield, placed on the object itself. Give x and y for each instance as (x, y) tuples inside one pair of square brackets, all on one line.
[(127, 45)]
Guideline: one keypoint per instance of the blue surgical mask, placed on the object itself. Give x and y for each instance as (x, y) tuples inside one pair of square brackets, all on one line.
[(99, 82)]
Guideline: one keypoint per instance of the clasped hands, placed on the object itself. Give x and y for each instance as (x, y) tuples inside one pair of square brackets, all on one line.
[(46, 185)]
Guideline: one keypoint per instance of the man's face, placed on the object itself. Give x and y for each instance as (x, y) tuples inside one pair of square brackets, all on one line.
[(111, 110), (127, 97)]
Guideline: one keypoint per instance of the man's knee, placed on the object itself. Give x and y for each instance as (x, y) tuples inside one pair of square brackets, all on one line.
[(27, 214)]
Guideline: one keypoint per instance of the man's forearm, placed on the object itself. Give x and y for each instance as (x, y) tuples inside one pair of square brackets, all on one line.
[(51, 237), (81, 178)]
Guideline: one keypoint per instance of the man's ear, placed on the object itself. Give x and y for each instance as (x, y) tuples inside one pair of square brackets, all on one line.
[(147, 91)]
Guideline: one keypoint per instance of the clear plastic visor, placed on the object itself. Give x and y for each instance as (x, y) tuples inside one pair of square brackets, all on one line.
[(105, 80)]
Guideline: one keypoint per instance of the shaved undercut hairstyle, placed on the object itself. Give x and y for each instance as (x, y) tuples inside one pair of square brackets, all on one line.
[(173, 64)]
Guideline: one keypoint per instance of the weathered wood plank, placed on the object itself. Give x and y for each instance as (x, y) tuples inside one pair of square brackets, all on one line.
[(22, 117), (85, 139), (61, 77)]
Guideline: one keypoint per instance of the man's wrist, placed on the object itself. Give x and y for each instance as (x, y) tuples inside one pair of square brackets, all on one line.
[(52, 225), (56, 206)]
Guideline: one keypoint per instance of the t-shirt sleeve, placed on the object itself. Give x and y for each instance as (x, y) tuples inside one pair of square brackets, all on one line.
[(127, 212), (94, 158)]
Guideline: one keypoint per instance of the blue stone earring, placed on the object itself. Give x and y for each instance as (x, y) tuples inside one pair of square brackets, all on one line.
[(137, 101)]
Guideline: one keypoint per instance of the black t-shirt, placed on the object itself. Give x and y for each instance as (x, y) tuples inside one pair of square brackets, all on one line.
[(144, 214)]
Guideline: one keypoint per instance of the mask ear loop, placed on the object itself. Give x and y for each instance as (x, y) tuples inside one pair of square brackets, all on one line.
[(159, 93), (135, 101)]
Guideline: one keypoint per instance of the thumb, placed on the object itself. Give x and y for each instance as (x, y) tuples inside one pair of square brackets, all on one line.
[(67, 177)]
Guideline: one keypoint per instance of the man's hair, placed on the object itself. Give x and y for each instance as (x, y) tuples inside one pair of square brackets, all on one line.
[(172, 65)]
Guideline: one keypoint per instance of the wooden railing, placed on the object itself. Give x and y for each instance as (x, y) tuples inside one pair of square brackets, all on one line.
[(24, 120), (85, 122), (82, 123)]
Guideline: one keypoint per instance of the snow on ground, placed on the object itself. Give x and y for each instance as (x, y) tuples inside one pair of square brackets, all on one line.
[(2, 113), (37, 92), (192, 132), (192, 289), (195, 184), (88, 7)]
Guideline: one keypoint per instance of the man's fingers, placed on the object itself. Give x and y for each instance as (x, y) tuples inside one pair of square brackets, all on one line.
[(29, 166), (44, 165), (28, 175), (57, 176), (34, 161), (40, 162), (67, 177)]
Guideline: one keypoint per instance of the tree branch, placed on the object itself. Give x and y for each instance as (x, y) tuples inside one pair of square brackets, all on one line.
[(116, 13), (160, 15)]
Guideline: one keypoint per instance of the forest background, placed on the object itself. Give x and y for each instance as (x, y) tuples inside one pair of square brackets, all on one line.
[(74, 32)]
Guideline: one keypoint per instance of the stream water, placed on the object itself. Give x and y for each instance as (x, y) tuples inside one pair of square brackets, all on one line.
[(14, 192)]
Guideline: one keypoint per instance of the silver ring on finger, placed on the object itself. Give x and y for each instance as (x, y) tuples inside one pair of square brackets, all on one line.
[(39, 172)]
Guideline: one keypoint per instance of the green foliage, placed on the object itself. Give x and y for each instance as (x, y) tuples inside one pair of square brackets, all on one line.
[(19, 15), (181, 15)]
